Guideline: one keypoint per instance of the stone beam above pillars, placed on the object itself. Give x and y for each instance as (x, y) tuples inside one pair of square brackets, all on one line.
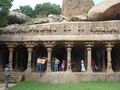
[(69, 46), (109, 46), (89, 46)]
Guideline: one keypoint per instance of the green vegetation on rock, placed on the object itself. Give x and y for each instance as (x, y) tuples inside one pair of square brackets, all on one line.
[(5, 5)]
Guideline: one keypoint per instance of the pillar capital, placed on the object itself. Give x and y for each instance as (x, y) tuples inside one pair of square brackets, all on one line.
[(69, 49), (49, 49), (89, 48), (109, 48), (69, 44), (11, 44), (89, 44), (49, 44), (29, 49), (109, 44), (11, 49), (30, 44)]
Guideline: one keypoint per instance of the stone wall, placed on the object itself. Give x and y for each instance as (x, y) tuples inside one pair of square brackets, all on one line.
[(76, 7)]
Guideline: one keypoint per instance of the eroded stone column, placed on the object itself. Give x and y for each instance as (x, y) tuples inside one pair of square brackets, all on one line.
[(49, 50), (69, 49), (69, 46), (49, 46), (109, 59), (29, 49), (10, 57), (29, 46), (10, 48), (89, 57)]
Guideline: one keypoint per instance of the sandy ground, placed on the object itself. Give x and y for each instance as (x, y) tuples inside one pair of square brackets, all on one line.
[(2, 86)]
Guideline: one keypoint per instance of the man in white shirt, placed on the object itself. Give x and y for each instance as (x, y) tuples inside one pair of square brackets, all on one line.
[(39, 65), (57, 61)]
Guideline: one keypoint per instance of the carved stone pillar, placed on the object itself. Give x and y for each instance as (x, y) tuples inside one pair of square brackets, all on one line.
[(49, 46), (89, 57), (69, 49), (69, 46), (103, 60), (109, 59), (11, 57), (10, 48), (29, 49), (49, 50), (29, 46)]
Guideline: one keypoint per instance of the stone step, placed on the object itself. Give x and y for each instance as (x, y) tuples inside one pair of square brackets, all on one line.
[(15, 77), (59, 77)]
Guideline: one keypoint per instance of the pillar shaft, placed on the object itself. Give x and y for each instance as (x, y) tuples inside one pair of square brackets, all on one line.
[(10, 57), (29, 58), (89, 59), (69, 49), (109, 59), (49, 50)]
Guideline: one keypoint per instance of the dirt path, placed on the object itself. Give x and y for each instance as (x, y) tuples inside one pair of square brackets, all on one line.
[(2, 86)]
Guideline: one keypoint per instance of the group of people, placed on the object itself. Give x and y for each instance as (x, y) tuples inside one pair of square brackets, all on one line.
[(41, 64), (56, 65)]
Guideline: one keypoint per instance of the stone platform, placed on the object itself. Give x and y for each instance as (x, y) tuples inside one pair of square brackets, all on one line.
[(72, 77)]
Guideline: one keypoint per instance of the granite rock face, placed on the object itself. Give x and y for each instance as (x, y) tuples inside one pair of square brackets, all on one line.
[(76, 7), (15, 17), (50, 19), (79, 18), (106, 10)]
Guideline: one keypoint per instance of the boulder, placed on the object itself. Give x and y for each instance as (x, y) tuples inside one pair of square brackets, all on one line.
[(106, 10), (79, 18), (40, 20), (16, 17), (57, 18), (76, 7)]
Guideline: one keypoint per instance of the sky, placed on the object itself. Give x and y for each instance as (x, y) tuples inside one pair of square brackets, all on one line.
[(32, 3)]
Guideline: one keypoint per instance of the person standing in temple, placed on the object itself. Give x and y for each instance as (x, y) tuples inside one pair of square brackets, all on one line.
[(6, 75), (39, 65), (94, 66), (53, 64), (43, 64), (57, 61), (82, 66), (63, 65)]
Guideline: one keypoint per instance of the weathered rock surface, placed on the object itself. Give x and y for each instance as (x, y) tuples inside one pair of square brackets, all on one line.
[(56, 18), (106, 10), (38, 21), (79, 18), (76, 7), (15, 17), (50, 19)]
